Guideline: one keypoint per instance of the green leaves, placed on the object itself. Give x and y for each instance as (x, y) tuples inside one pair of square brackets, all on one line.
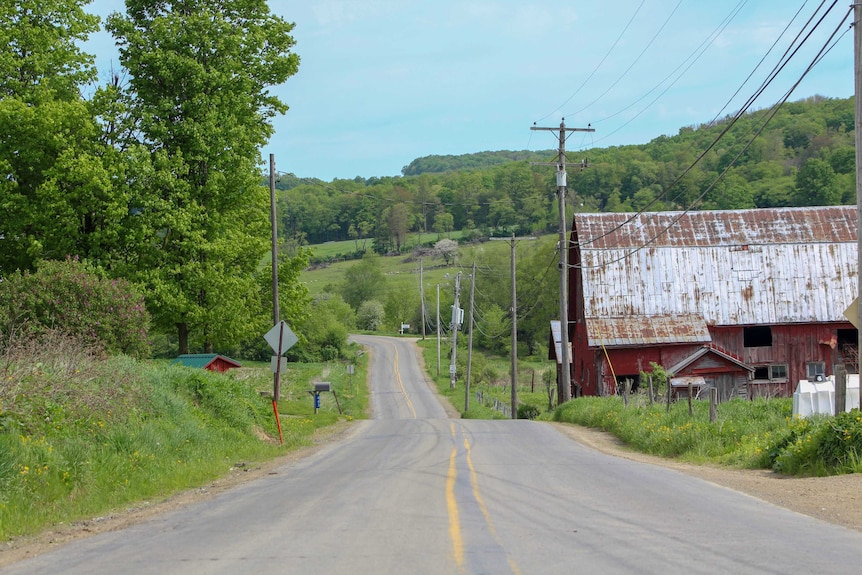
[(198, 82), (41, 58)]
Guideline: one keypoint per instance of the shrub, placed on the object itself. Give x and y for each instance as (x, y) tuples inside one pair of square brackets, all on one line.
[(75, 298), (527, 411), (371, 315)]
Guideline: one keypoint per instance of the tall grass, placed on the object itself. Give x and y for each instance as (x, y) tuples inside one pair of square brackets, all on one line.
[(751, 434), (490, 379), (81, 434)]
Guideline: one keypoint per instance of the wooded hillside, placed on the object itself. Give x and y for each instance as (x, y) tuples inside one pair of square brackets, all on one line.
[(803, 156)]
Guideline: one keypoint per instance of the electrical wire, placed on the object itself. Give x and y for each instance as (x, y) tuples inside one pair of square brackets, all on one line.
[(694, 57), (739, 114), (635, 61), (768, 52), (599, 65), (827, 47)]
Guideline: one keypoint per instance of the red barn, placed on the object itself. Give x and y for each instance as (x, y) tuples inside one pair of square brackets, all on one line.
[(208, 361), (750, 300)]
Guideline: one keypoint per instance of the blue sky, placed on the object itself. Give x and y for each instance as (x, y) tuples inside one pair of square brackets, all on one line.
[(382, 82)]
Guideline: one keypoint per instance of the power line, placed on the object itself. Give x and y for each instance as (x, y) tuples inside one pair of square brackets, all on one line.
[(635, 61), (739, 114), (599, 65), (827, 47)]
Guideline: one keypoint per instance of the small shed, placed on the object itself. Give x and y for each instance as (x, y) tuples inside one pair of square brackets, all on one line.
[(208, 361)]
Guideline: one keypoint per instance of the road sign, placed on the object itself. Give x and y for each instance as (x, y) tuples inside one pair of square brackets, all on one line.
[(274, 364), (280, 333)]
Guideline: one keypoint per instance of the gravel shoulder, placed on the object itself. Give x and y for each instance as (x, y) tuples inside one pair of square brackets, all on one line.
[(836, 499)]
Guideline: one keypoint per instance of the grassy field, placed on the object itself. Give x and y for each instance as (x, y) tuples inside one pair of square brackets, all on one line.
[(759, 434), (490, 382), (402, 272), (80, 436)]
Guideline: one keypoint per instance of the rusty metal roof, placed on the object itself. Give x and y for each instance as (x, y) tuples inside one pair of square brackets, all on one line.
[(646, 330), (829, 224), (738, 267)]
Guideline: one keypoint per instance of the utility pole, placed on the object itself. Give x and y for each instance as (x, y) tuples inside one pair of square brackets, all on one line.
[(514, 397), (564, 385), (514, 310), (422, 297), (438, 330), (470, 339), (857, 70), (456, 317), (275, 304)]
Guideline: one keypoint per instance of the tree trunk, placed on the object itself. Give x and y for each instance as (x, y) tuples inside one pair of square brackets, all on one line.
[(183, 337)]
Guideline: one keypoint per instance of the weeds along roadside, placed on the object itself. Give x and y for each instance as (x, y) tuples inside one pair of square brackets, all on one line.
[(81, 434), (758, 434)]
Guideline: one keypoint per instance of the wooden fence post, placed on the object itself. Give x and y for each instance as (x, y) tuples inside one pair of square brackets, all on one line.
[(690, 406), (649, 381), (713, 404), (840, 388), (669, 394)]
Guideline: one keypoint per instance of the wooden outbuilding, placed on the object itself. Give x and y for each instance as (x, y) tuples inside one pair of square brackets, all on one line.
[(752, 301), (208, 361)]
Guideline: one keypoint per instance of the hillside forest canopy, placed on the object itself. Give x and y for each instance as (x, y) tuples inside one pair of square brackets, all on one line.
[(804, 156), (155, 178)]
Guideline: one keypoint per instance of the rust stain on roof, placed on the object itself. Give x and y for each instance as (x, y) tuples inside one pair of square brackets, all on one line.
[(736, 267)]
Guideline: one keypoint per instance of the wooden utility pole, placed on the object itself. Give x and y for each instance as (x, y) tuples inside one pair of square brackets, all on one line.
[(564, 389), (422, 297), (470, 339), (273, 218), (438, 330), (514, 310), (514, 397), (456, 319), (857, 74), (275, 304)]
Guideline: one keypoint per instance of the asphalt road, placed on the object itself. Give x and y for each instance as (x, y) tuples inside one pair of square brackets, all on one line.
[(413, 492)]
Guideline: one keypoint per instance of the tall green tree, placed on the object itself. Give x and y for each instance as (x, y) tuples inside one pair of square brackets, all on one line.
[(362, 281), (816, 184), (41, 57), (56, 194), (200, 76)]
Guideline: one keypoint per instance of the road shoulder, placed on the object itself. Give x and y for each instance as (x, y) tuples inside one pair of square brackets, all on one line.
[(836, 499)]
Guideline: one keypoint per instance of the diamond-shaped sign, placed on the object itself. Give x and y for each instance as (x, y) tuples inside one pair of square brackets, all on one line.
[(280, 333)]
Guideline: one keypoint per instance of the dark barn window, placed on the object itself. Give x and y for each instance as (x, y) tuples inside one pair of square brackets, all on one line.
[(757, 336)]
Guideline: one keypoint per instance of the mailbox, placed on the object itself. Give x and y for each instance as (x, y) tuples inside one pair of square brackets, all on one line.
[(322, 386)]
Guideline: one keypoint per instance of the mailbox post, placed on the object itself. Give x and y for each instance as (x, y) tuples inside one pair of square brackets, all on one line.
[(320, 387)]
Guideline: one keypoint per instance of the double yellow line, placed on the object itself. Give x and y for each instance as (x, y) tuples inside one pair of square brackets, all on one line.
[(452, 503), (401, 384)]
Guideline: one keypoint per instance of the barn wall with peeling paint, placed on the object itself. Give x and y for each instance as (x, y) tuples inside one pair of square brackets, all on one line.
[(655, 286)]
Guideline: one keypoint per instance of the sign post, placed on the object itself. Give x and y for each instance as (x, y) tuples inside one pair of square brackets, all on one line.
[(280, 338)]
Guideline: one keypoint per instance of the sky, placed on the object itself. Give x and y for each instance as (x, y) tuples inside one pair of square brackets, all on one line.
[(383, 82)]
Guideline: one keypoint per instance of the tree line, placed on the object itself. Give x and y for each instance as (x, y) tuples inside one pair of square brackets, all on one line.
[(804, 156)]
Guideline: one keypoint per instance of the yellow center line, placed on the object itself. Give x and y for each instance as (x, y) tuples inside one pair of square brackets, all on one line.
[(452, 506), (401, 384), (474, 482)]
